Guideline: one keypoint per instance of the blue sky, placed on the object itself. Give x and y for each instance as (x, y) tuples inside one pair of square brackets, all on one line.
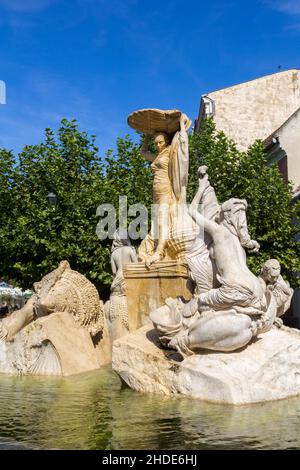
[(97, 60)]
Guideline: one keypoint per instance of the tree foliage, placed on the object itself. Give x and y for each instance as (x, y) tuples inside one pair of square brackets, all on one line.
[(34, 237)]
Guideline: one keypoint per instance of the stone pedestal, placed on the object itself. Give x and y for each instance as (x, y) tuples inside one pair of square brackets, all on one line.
[(147, 289), (267, 369), (54, 345)]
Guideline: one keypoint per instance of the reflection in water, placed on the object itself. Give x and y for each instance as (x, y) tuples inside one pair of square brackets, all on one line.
[(94, 411)]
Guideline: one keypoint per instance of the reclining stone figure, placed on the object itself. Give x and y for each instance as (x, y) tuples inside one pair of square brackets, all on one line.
[(61, 330), (60, 290)]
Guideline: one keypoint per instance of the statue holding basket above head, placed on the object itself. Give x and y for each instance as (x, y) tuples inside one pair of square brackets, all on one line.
[(170, 169)]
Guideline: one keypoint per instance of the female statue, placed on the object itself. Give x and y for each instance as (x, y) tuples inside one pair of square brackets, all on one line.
[(170, 168)]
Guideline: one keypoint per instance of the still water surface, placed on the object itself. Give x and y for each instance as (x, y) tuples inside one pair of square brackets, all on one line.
[(94, 411)]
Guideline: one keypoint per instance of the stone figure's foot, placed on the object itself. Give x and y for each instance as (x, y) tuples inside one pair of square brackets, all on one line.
[(180, 344)]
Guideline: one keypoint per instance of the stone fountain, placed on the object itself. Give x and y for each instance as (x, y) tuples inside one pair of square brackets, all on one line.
[(223, 340), (185, 315)]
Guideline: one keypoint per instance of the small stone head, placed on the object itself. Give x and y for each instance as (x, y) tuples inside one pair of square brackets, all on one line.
[(121, 238), (270, 271), (202, 171), (233, 212), (161, 141)]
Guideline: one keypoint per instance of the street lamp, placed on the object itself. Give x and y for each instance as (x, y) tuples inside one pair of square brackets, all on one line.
[(52, 199)]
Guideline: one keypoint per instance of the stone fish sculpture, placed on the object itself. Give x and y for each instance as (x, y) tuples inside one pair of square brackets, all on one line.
[(61, 329), (224, 330)]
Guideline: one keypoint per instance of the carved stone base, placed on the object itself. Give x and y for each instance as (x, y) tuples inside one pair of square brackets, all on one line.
[(147, 289), (267, 369), (54, 345)]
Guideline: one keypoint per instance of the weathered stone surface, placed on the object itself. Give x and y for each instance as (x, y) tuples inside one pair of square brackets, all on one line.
[(254, 109), (61, 330), (147, 288), (154, 120), (288, 136), (267, 369), (116, 310), (54, 345)]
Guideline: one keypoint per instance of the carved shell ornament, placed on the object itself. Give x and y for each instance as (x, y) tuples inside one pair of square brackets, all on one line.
[(66, 290), (152, 120)]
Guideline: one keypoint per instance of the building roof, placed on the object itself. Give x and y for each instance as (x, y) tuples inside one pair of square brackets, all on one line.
[(295, 69), (269, 141)]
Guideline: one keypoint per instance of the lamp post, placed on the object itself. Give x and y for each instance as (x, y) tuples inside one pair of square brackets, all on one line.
[(52, 199)]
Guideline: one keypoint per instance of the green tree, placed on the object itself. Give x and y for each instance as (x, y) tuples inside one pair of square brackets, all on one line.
[(273, 219), (39, 237), (34, 238), (128, 174), (7, 204)]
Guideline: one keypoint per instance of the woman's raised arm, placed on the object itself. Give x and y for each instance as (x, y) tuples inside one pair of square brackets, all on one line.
[(145, 150)]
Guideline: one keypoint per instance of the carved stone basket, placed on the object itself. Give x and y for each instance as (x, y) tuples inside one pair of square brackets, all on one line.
[(151, 120)]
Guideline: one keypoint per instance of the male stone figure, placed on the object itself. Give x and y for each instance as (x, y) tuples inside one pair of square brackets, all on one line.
[(239, 287), (272, 280), (224, 228), (233, 306)]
